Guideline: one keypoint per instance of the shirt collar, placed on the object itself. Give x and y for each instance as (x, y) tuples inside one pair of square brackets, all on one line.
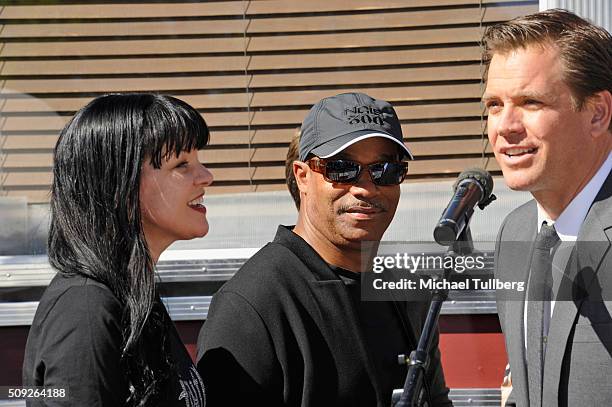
[(299, 247), (568, 223)]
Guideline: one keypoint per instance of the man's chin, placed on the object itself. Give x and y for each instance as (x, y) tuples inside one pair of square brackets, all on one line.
[(519, 187), (356, 235), (518, 181)]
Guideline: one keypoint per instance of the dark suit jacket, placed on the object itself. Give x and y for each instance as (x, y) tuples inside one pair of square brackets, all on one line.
[(284, 331), (578, 360)]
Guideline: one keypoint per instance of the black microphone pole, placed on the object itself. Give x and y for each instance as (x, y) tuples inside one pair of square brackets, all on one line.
[(416, 391), (453, 231)]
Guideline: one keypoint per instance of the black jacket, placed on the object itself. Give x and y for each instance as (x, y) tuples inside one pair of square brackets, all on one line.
[(283, 331)]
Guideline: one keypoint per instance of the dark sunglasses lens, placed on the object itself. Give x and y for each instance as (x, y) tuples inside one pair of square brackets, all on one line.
[(342, 171), (390, 173)]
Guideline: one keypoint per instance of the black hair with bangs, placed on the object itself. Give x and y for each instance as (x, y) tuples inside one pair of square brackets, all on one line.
[(96, 228)]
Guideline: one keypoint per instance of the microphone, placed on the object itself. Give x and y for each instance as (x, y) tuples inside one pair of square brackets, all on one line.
[(473, 187)]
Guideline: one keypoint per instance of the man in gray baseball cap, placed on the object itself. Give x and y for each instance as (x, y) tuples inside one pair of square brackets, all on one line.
[(340, 121), (290, 328)]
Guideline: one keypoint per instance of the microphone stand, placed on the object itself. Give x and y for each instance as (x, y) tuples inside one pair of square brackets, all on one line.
[(416, 389)]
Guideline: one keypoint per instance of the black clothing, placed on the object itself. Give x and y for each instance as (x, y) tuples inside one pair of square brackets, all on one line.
[(75, 343), (285, 330), (386, 330)]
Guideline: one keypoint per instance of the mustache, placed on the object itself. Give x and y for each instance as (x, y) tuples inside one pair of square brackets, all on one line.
[(361, 204)]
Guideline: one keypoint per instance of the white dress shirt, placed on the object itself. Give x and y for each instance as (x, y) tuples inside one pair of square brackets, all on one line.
[(568, 226)]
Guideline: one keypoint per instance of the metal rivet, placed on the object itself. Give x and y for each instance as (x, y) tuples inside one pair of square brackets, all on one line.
[(192, 307)]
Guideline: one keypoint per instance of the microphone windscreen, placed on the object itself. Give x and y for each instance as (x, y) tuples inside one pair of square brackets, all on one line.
[(482, 176)]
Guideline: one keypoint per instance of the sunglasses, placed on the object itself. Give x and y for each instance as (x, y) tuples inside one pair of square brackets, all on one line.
[(348, 172)]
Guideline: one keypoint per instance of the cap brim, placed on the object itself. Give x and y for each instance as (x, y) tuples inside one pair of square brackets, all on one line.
[(336, 145)]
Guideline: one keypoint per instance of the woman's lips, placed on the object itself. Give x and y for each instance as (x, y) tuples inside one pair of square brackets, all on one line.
[(200, 208), (197, 204)]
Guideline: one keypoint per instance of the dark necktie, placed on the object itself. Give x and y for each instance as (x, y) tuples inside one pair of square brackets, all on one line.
[(540, 283)]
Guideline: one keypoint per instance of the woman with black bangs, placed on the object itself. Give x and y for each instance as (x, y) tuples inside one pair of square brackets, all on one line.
[(127, 183)]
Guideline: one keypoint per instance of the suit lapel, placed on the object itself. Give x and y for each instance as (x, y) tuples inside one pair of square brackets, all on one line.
[(515, 316), (591, 246), (517, 261), (564, 318)]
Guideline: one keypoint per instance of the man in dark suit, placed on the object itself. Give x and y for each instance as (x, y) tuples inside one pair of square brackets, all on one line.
[(549, 101)]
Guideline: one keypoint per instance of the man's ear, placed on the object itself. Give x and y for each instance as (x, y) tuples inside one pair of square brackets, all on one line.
[(601, 106), (300, 172)]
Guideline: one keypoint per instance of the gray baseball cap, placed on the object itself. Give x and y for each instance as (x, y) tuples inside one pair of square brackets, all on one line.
[(340, 121)]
